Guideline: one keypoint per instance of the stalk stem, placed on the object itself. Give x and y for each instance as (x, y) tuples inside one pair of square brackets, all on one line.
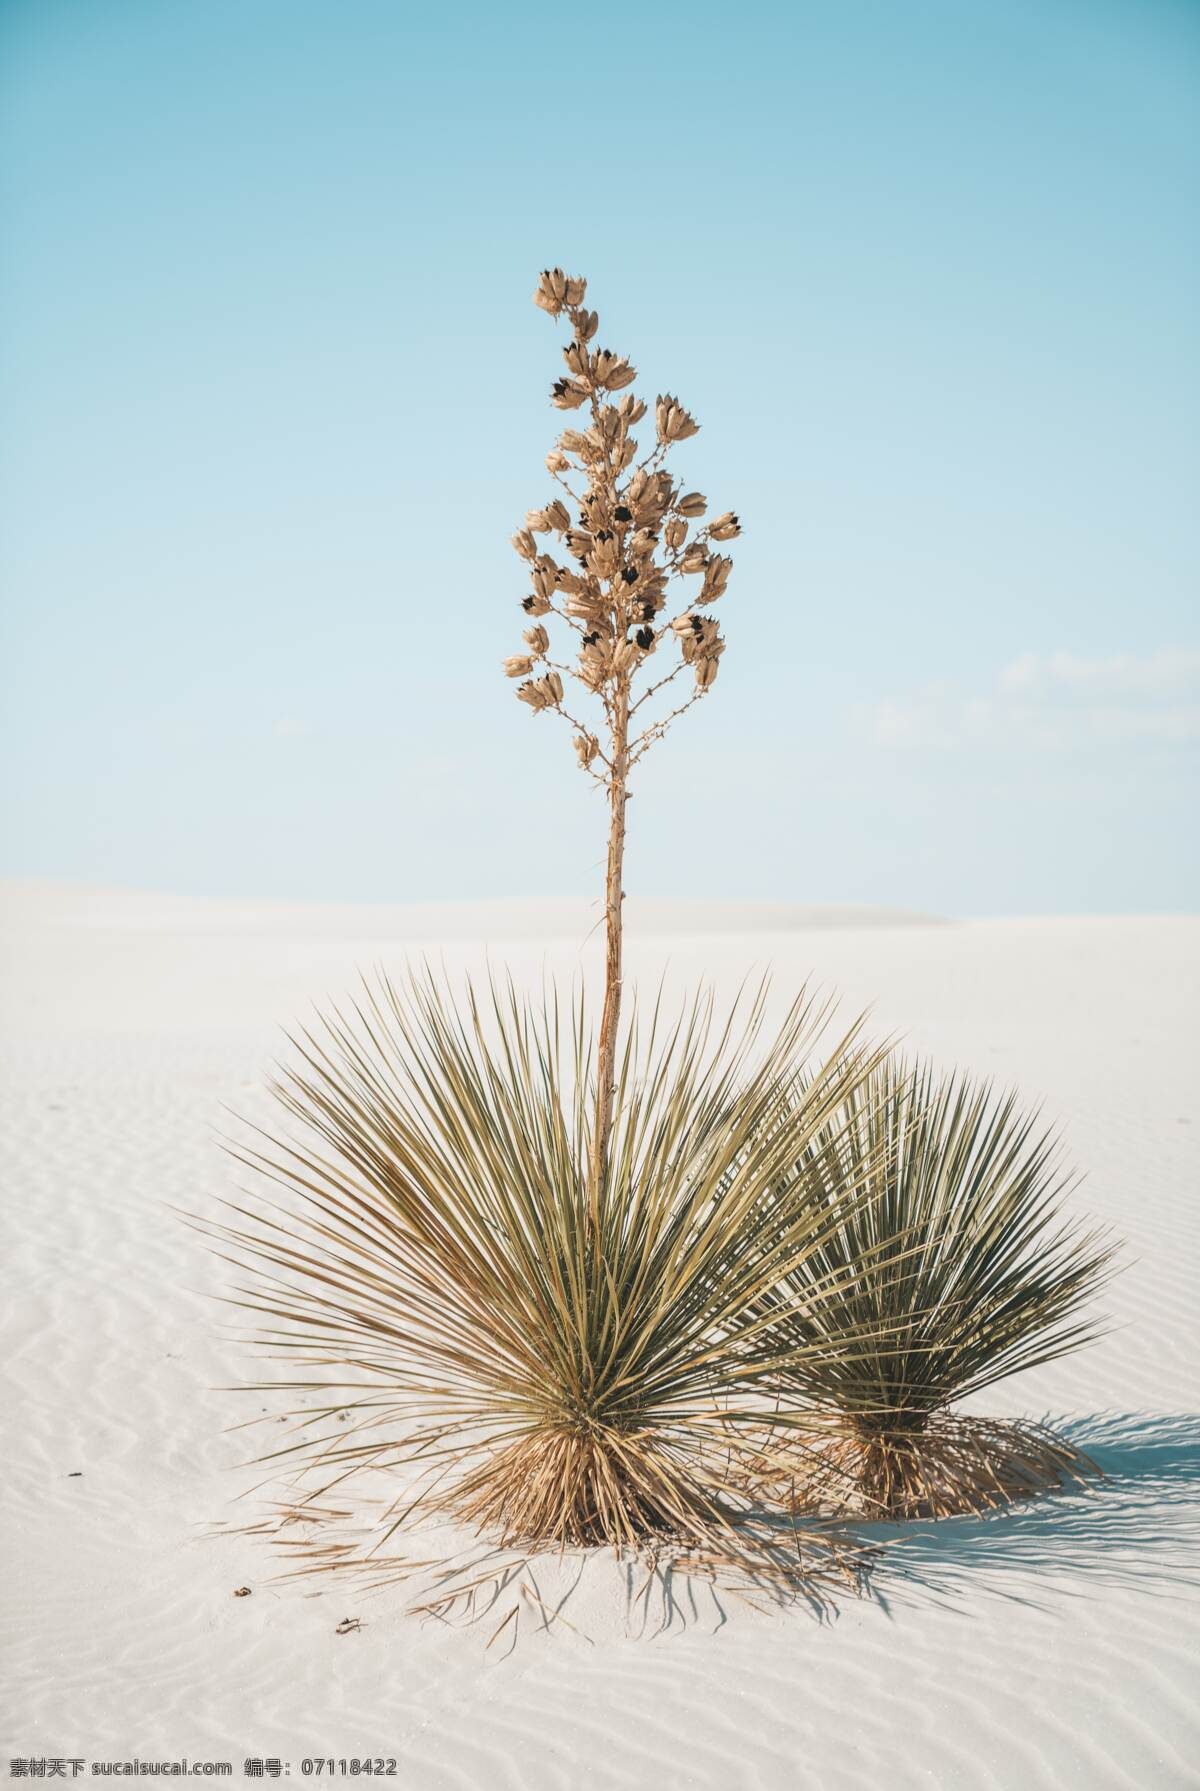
[(614, 896)]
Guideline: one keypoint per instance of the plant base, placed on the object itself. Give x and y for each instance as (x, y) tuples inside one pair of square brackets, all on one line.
[(953, 1465), (584, 1490)]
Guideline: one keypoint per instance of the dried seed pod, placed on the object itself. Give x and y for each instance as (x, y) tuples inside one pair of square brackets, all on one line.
[(558, 517), (586, 325), (632, 409), (557, 462), (518, 665), (536, 606), (645, 639), (525, 544), (695, 558), (594, 664), (545, 294), (533, 695), (537, 639), (584, 608), (673, 422), (605, 554), (716, 577), (537, 522), (697, 635), (654, 499), (612, 371), (725, 527), (567, 394), (586, 748), (553, 686), (554, 290), (706, 673), (545, 574), (675, 533), (693, 504)]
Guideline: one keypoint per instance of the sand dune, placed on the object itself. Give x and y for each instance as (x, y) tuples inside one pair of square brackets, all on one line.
[(35, 905), (1053, 1646)]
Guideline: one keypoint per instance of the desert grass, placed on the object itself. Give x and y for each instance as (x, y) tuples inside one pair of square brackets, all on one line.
[(954, 1264)]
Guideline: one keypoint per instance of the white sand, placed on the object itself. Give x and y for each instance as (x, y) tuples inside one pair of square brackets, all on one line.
[(1053, 1646)]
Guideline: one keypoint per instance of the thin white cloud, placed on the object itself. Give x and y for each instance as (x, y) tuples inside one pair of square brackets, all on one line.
[(1125, 675), (1057, 701)]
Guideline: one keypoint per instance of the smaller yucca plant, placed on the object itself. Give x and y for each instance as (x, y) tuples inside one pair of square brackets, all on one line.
[(953, 1266)]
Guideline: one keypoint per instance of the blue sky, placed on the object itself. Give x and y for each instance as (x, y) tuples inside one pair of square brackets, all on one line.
[(273, 396)]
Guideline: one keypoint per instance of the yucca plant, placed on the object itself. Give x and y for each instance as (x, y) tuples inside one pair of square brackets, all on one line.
[(527, 1273), (550, 1359), (952, 1265)]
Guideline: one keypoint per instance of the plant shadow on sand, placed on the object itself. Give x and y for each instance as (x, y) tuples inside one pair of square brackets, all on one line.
[(1138, 1528), (600, 1593), (553, 1594)]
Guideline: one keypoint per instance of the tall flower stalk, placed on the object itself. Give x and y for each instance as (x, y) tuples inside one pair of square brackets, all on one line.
[(627, 531)]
